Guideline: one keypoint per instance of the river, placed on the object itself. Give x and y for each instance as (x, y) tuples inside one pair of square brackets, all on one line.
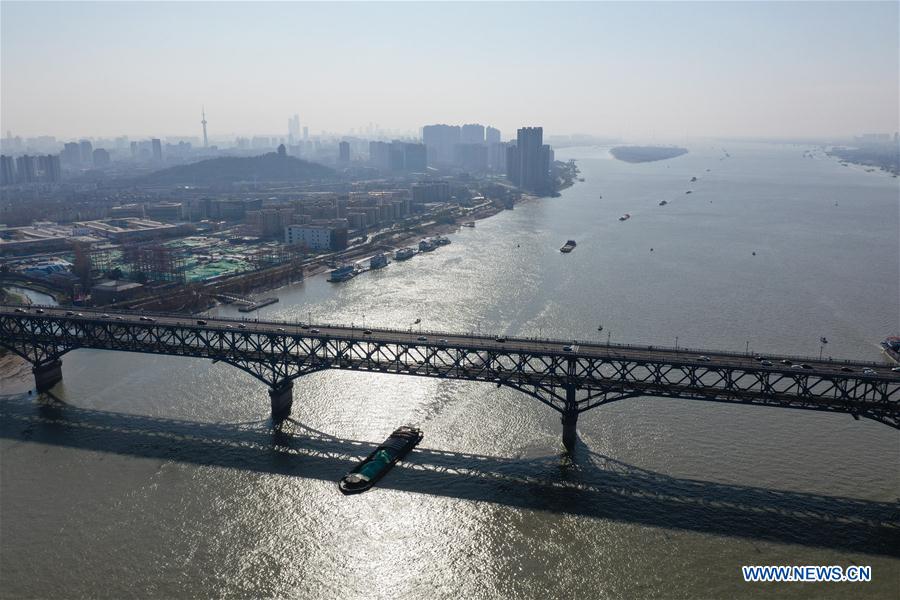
[(161, 476)]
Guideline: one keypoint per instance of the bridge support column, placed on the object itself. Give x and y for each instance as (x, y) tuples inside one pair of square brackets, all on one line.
[(47, 375), (570, 420), (282, 398)]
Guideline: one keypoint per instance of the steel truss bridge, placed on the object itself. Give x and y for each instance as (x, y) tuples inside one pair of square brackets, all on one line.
[(568, 377)]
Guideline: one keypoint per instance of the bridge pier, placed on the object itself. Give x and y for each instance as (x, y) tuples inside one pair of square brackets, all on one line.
[(569, 433), (47, 375), (570, 420), (282, 398)]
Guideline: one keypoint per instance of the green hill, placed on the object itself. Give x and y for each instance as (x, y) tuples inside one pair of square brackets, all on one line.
[(231, 169)]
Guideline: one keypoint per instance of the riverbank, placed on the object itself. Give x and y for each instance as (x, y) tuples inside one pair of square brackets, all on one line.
[(392, 242), (885, 158), (14, 370)]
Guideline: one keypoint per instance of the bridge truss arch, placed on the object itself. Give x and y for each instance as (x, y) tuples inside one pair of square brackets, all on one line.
[(570, 382)]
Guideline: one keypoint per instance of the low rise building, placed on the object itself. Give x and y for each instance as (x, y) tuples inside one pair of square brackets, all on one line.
[(108, 292), (317, 236), (166, 211), (431, 191)]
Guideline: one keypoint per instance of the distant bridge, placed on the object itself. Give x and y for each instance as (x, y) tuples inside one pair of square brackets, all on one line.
[(570, 379)]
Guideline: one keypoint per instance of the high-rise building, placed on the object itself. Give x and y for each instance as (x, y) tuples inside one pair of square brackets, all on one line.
[(49, 169), (497, 157), (101, 158), (7, 170), (512, 163), (25, 169), (294, 129), (415, 158), (440, 141), (492, 136), (71, 155), (472, 133), (533, 169), (305, 133), (472, 157), (157, 149), (380, 155), (85, 151), (344, 152)]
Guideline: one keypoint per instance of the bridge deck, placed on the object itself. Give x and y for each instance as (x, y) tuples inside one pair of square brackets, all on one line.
[(570, 377), (587, 349)]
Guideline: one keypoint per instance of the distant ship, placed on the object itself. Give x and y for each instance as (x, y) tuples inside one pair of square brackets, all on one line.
[(663, 202), (379, 261), (404, 254), (625, 217), (891, 347), (689, 192), (693, 179), (342, 273), (568, 247)]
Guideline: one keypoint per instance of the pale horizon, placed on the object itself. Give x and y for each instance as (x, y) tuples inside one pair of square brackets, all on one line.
[(650, 71)]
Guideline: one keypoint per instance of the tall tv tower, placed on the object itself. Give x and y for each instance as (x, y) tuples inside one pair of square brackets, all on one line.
[(203, 122)]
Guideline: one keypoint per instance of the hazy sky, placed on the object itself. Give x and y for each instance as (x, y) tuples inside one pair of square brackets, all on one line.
[(639, 69)]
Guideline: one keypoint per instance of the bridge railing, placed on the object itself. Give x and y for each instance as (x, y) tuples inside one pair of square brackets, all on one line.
[(192, 318)]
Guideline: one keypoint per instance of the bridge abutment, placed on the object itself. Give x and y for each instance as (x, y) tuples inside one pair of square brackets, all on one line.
[(47, 375), (282, 398)]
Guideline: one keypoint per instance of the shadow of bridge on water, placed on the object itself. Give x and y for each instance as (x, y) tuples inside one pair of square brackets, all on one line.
[(589, 485)]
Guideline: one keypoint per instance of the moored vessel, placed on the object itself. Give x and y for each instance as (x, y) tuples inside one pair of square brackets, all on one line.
[(342, 273), (404, 254), (378, 261), (381, 460), (426, 246)]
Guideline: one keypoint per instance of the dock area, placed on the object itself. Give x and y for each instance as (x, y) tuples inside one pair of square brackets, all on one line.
[(258, 304)]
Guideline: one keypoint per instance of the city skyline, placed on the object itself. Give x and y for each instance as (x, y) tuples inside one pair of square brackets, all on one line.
[(725, 69)]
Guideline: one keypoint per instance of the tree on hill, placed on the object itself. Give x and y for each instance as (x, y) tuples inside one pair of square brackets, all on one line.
[(267, 167)]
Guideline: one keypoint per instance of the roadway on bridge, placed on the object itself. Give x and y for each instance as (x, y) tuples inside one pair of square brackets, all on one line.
[(708, 358)]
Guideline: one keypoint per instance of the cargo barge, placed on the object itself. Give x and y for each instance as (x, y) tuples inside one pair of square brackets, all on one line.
[(381, 460)]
